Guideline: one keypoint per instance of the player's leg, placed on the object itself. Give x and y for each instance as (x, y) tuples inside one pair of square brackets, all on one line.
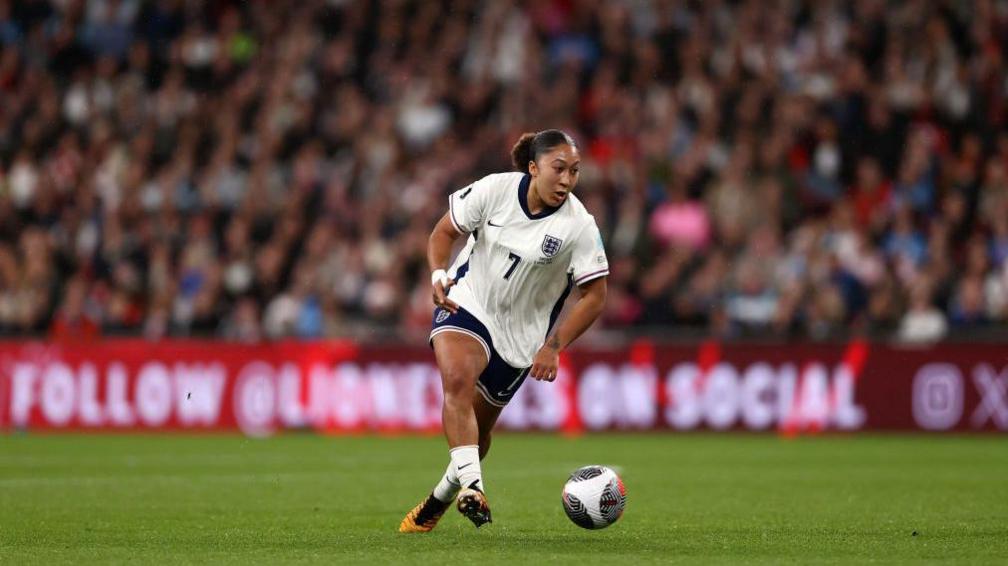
[(449, 486), (461, 359), (458, 379), (495, 386), (486, 418), (472, 502)]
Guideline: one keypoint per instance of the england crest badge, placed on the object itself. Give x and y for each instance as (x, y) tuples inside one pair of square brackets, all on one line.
[(551, 245)]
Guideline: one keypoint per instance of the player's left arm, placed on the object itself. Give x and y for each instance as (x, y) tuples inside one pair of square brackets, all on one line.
[(589, 268), (587, 308)]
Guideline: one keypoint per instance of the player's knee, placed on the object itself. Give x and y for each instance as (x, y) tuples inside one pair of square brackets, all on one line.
[(457, 386)]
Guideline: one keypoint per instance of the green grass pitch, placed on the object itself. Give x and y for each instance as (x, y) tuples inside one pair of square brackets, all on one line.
[(698, 498)]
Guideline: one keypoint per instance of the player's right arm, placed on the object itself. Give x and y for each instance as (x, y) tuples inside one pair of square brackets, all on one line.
[(467, 209), (438, 253)]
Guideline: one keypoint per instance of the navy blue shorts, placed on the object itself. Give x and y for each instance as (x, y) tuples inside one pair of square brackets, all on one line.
[(499, 380)]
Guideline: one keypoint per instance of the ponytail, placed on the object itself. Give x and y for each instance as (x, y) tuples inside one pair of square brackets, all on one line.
[(530, 146), (521, 153)]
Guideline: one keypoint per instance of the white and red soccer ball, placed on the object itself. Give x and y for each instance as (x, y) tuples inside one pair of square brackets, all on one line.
[(594, 497)]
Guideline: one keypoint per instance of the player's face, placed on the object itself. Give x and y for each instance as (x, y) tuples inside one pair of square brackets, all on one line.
[(556, 173)]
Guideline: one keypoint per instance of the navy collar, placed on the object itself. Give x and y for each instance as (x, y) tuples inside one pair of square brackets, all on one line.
[(523, 189)]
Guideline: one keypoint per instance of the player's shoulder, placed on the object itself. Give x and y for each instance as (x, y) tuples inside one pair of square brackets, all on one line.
[(506, 179), (576, 210), (495, 187)]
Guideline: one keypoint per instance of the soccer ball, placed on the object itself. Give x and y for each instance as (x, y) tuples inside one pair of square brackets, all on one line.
[(594, 497)]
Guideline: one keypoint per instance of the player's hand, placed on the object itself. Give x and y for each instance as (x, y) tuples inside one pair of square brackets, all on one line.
[(441, 299), (545, 364)]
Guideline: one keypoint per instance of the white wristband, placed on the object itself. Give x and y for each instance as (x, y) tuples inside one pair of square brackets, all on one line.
[(439, 275)]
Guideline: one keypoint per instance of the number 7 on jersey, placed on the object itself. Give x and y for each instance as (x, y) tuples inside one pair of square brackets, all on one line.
[(515, 258)]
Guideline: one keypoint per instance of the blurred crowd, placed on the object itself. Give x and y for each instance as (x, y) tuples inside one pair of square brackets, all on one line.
[(261, 169)]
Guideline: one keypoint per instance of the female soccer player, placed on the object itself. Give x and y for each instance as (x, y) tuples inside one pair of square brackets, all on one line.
[(530, 241)]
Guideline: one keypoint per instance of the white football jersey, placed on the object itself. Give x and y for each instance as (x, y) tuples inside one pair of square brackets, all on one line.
[(517, 268)]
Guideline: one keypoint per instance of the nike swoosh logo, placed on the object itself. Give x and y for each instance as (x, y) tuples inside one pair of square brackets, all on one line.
[(490, 222), (467, 465)]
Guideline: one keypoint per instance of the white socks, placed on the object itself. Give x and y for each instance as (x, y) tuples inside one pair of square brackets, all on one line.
[(466, 459), (448, 487), (467, 466)]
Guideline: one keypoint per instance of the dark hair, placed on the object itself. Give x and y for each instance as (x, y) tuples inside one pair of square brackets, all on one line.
[(530, 146)]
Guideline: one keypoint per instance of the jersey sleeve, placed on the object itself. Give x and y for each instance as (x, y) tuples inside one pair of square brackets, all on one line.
[(589, 259), (468, 206)]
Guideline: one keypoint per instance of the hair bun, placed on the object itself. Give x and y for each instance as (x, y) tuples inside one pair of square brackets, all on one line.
[(521, 153)]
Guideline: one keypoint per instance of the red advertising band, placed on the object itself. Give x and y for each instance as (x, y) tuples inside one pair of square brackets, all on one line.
[(338, 387)]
